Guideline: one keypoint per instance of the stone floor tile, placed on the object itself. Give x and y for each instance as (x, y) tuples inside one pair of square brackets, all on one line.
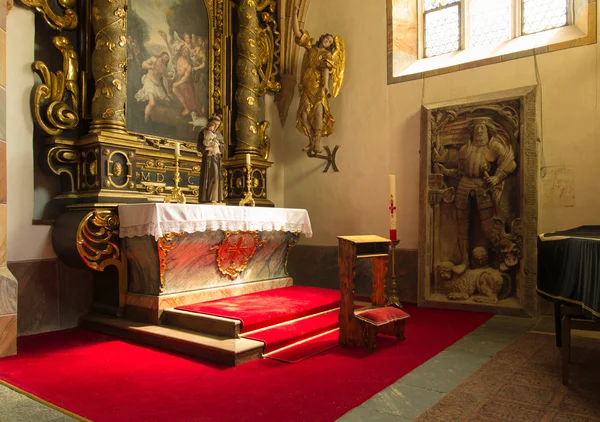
[(364, 414), (403, 400), (486, 341), (445, 371), (501, 322), (17, 407)]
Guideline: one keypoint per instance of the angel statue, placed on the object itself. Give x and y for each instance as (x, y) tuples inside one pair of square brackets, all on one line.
[(322, 61)]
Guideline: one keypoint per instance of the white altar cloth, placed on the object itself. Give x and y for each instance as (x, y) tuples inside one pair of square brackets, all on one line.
[(159, 219)]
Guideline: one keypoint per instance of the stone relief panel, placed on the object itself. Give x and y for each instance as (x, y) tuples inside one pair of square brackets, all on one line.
[(473, 204)]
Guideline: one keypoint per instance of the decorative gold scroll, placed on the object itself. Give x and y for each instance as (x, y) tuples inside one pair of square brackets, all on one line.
[(97, 239), (65, 160), (292, 242), (269, 41), (166, 245), (67, 21), (51, 108)]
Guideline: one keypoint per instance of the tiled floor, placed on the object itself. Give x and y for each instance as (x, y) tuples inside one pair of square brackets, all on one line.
[(401, 402)]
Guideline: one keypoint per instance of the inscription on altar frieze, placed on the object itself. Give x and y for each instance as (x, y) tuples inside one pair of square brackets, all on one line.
[(155, 177)]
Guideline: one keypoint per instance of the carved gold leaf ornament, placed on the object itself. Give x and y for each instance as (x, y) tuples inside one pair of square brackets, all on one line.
[(165, 245), (57, 22), (97, 239), (65, 160), (50, 110)]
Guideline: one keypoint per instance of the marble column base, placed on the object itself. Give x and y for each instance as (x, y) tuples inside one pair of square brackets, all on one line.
[(8, 335), (149, 308)]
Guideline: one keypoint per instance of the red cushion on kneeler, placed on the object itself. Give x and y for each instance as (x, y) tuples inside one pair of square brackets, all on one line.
[(380, 316)]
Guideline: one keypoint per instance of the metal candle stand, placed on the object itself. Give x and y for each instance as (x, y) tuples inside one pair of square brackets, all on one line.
[(176, 194), (248, 199), (393, 299)]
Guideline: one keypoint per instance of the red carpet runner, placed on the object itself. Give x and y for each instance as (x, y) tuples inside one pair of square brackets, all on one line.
[(105, 379), (262, 309)]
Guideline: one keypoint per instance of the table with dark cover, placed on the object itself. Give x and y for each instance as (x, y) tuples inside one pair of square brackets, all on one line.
[(569, 268)]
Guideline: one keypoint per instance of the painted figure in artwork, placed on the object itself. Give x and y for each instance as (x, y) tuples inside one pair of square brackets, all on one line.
[(155, 83), (211, 145), (484, 163), (168, 60), (323, 61)]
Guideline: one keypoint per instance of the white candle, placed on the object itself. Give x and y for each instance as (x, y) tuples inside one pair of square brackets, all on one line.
[(392, 207), (177, 149), (247, 159)]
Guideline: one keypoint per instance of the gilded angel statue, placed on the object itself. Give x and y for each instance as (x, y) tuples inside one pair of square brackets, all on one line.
[(322, 62)]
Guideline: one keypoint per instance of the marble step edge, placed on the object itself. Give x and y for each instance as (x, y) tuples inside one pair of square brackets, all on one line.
[(228, 351), (202, 323)]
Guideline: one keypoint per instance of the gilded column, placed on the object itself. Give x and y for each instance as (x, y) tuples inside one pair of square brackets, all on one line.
[(109, 60), (247, 96)]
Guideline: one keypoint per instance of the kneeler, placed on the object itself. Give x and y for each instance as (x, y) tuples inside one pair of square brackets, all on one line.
[(360, 327)]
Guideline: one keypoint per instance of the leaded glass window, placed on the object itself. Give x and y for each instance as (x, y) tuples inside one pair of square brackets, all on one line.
[(541, 15), (451, 25)]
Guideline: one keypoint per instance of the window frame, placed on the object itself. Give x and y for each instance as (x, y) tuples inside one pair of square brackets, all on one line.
[(464, 22)]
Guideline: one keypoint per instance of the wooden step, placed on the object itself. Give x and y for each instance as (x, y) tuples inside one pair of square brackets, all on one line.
[(228, 351), (202, 323)]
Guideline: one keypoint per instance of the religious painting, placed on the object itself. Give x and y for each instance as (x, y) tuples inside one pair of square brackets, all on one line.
[(168, 68), (478, 181)]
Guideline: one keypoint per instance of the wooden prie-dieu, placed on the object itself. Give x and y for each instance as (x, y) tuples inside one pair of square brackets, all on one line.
[(359, 327)]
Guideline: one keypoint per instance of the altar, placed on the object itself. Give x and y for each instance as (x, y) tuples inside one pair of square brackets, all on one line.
[(181, 254)]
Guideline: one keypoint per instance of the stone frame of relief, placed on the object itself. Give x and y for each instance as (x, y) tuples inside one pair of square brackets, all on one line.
[(478, 203)]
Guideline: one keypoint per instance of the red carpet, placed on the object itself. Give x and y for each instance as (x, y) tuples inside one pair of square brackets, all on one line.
[(286, 334), (256, 310), (305, 350), (105, 379)]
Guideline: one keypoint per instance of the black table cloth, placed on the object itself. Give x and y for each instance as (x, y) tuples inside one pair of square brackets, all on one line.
[(569, 268)]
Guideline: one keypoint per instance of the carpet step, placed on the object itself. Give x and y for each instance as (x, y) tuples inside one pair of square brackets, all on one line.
[(266, 308), (228, 351), (306, 348), (202, 323), (285, 334)]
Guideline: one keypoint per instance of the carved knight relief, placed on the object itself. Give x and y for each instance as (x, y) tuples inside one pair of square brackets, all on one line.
[(474, 195)]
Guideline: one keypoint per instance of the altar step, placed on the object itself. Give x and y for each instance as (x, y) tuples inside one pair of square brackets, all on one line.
[(229, 351), (202, 323)]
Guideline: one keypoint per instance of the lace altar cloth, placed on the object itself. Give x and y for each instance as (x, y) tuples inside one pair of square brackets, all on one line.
[(159, 219)]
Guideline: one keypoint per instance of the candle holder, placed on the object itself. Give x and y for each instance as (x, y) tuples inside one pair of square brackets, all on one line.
[(393, 299), (176, 194), (248, 199)]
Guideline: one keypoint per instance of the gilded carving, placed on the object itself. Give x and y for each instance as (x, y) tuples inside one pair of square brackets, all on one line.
[(292, 242), (115, 168), (67, 21), (109, 60), (166, 245), (234, 252), (323, 60), (98, 239), (259, 44), (64, 160), (56, 99)]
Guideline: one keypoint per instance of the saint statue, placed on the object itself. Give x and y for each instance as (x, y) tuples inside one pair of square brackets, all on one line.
[(212, 146), (484, 163), (323, 60)]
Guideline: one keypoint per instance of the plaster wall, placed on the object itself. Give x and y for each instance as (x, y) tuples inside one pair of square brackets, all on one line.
[(25, 241), (378, 128)]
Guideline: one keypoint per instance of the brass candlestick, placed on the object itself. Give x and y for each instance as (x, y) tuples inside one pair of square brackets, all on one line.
[(247, 199), (393, 299), (176, 194)]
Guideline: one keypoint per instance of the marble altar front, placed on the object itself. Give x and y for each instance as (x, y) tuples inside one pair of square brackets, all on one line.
[(181, 254)]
